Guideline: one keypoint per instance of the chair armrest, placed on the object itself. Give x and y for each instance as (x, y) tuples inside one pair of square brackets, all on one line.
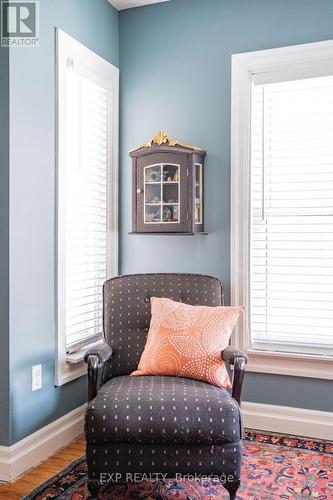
[(231, 353), (238, 359), (96, 359), (102, 351)]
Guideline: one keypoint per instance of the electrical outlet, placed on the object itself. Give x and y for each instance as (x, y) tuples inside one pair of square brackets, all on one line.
[(36, 378)]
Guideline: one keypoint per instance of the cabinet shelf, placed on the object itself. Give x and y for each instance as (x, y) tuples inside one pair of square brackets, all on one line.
[(162, 182), (168, 234), (158, 204)]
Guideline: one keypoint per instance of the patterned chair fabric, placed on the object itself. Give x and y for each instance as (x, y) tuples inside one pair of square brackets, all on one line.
[(127, 310), (217, 461), (154, 409), (155, 424)]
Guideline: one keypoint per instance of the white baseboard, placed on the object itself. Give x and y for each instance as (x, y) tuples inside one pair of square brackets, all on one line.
[(288, 420), (30, 451)]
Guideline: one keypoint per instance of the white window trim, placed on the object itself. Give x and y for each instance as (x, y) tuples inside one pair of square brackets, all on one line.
[(244, 66), (68, 368)]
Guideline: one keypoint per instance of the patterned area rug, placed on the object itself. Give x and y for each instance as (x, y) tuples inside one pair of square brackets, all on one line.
[(274, 467)]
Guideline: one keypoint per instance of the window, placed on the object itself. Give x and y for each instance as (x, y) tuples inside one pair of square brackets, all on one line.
[(87, 198), (282, 208), (291, 276)]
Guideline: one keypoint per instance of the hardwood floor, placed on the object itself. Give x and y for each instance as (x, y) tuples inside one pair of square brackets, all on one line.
[(44, 471)]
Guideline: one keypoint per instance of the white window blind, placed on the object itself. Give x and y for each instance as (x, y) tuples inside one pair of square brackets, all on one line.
[(87, 198), (86, 208), (291, 275)]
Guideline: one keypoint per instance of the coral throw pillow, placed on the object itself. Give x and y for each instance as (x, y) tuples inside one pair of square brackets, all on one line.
[(187, 341)]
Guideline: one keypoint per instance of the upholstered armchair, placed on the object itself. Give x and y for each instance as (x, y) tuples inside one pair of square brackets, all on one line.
[(158, 424)]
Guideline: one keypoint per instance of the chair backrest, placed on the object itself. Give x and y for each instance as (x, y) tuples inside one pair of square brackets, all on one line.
[(127, 310)]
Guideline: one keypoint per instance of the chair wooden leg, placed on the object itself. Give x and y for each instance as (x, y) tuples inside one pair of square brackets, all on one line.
[(93, 487), (232, 488)]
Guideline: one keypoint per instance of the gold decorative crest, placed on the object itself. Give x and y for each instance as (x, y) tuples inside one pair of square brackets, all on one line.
[(159, 139), (163, 138)]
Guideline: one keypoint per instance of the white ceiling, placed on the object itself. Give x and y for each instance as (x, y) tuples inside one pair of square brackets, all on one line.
[(128, 4)]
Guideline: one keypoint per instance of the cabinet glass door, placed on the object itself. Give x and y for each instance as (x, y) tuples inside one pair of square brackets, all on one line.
[(162, 194), (198, 194)]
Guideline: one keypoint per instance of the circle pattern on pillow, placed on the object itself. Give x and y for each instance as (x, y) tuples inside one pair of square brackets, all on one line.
[(187, 341)]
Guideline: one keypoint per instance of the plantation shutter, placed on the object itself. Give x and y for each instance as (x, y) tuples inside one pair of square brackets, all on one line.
[(86, 207), (291, 275)]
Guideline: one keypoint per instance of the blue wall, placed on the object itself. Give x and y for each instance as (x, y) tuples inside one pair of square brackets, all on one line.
[(4, 245), (32, 208), (175, 74), (175, 61)]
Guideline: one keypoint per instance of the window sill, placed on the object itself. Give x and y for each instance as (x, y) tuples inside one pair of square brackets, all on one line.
[(77, 356), (72, 366), (298, 365)]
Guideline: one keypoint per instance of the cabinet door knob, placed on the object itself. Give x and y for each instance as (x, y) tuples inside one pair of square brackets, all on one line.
[(139, 190)]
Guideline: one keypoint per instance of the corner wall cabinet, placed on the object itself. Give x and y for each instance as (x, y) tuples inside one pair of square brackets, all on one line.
[(168, 187)]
